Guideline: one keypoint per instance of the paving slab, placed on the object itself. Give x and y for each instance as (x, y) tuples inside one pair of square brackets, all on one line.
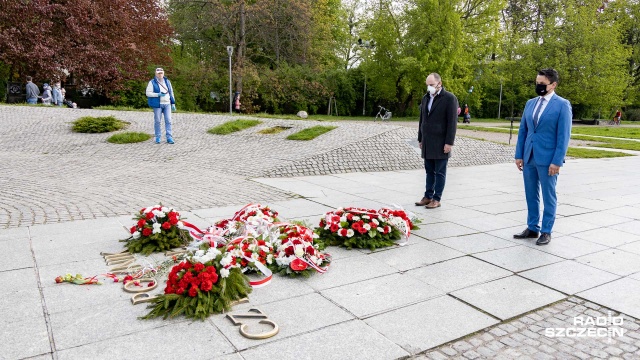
[(631, 212), (518, 258), (567, 247), (350, 270), (457, 214), (569, 277), (568, 225), (632, 227), (484, 200), (609, 295), (566, 209), (443, 230), (294, 316), (475, 243), (14, 234), (100, 322), (43, 243), (633, 247), (65, 254), (374, 296), (508, 297), (428, 324), (351, 340), (281, 288), (458, 273), (299, 207), (16, 254), (601, 218), (416, 255), (70, 227), (20, 295), (615, 261), (502, 208), (24, 338), (196, 339), (607, 236), (487, 223)]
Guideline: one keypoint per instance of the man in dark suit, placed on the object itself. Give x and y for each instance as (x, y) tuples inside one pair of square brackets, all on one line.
[(543, 140), (436, 133)]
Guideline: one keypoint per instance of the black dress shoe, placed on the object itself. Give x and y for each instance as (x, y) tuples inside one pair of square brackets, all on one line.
[(526, 234), (544, 239)]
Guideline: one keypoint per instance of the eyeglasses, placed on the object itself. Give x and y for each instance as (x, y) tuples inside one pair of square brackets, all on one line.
[(159, 70)]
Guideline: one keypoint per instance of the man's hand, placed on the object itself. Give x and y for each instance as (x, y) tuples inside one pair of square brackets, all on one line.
[(520, 164), (447, 148), (420, 145), (161, 94), (554, 170), (173, 107)]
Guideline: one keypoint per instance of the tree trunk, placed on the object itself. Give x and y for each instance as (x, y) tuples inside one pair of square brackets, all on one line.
[(240, 47)]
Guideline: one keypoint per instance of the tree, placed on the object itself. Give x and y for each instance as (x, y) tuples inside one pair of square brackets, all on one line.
[(101, 43)]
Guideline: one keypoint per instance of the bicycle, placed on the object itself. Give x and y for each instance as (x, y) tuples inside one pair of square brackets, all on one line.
[(383, 114), (615, 121)]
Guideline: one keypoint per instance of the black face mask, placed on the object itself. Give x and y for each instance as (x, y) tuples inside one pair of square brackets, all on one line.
[(541, 89)]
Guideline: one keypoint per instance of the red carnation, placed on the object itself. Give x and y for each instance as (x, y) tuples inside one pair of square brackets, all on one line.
[(166, 225), (362, 230), (147, 232), (214, 277), (334, 228), (343, 232), (210, 269), (243, 263), (311, 250), (169, 290), (180, 291), (193, 292), (173, 221), (149, 216), (288, 251), (198, 267), (349, 217), (142, 222), (133, 229), (206, 285)]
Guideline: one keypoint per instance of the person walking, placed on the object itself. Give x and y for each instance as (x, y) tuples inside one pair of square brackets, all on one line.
[(57, 98), (32, 91), (436, 134), (543, 140), (46, 94), (618, 117), (160, 98)]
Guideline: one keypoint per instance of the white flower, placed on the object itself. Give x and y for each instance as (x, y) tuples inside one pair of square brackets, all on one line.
[(270, 259), (356, 218), (180, 225), (255, 256), (298, 251), (165, 209), (365, 217), (224, 272), (213, 252), (225, 261), (375, 221), (199, 253), (157, 228), (350, 233), (343, 219), (136, 235), (366, 227), (147, 210), (283, 261)]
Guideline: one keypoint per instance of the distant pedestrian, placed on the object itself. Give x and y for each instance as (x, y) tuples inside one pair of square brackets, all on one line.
[(32, 91), (57, 97), (467, 116), (47, 96), (618, 117), (236, 102), (160, 98)]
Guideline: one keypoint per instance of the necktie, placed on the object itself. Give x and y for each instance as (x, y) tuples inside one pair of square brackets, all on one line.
[(536, 116)]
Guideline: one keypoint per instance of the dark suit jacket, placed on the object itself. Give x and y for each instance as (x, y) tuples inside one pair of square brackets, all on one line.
[(438, 127)]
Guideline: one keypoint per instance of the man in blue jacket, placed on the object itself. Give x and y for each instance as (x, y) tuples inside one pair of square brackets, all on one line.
[(543, 139), (160, 98)]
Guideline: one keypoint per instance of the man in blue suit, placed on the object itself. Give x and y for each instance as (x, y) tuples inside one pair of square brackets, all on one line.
[(543, 139)]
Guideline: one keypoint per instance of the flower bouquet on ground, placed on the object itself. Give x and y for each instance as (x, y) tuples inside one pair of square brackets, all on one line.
[(365, 228), (297, 253), (157, 228), (250, 255), (198, 289)]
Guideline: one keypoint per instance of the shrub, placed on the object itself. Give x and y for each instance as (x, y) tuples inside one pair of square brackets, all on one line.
[(90, 124), (128, 138), (631, 115)]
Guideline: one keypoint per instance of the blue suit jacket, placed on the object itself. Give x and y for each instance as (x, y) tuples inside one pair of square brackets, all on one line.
[(548, 142)]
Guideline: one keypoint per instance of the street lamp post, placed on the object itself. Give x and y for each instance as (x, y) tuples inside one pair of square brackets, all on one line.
[(500, 102), (368, 45), (467, 97), (230, 52)]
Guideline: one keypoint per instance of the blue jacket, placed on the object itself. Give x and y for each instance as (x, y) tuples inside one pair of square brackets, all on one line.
[(152, 97), (549, 140)]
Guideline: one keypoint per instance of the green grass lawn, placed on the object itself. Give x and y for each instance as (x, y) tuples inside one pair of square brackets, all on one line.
[(128, 138), (610, 143), (593, 154), (310, 133), (495, 129), (233, 126), (619, 132)]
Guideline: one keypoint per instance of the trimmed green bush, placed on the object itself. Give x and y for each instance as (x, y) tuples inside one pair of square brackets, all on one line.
[(128, 138), (233, 126), (310, 133), (90, 124)]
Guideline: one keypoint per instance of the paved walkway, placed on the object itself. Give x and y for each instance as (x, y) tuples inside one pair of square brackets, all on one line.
[(462, 287)]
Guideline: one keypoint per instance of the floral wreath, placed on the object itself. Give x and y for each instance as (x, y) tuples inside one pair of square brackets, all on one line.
[(297, 253), (157, 228)]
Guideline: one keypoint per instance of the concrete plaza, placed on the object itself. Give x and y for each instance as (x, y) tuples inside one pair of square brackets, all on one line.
[(462, 287)]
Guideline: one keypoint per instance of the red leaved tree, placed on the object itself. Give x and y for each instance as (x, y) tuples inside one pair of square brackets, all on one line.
[(101, 43)]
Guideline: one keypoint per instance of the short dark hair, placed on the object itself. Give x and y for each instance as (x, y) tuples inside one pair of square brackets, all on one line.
[(550, 74), (28, 78)]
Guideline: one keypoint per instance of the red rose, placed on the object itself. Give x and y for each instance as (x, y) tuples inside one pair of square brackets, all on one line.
[(198, 267), (193, 292), (166, 225), (288, 251), (206, 285), (349, 217), (142, 222), (362, 230), (149, 216), (343, 232), (133, 229), (173, 221), (334, 228), (355, 226), (147, 232)]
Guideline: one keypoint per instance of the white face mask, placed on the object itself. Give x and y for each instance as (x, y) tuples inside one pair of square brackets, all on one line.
[(431, 89)]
